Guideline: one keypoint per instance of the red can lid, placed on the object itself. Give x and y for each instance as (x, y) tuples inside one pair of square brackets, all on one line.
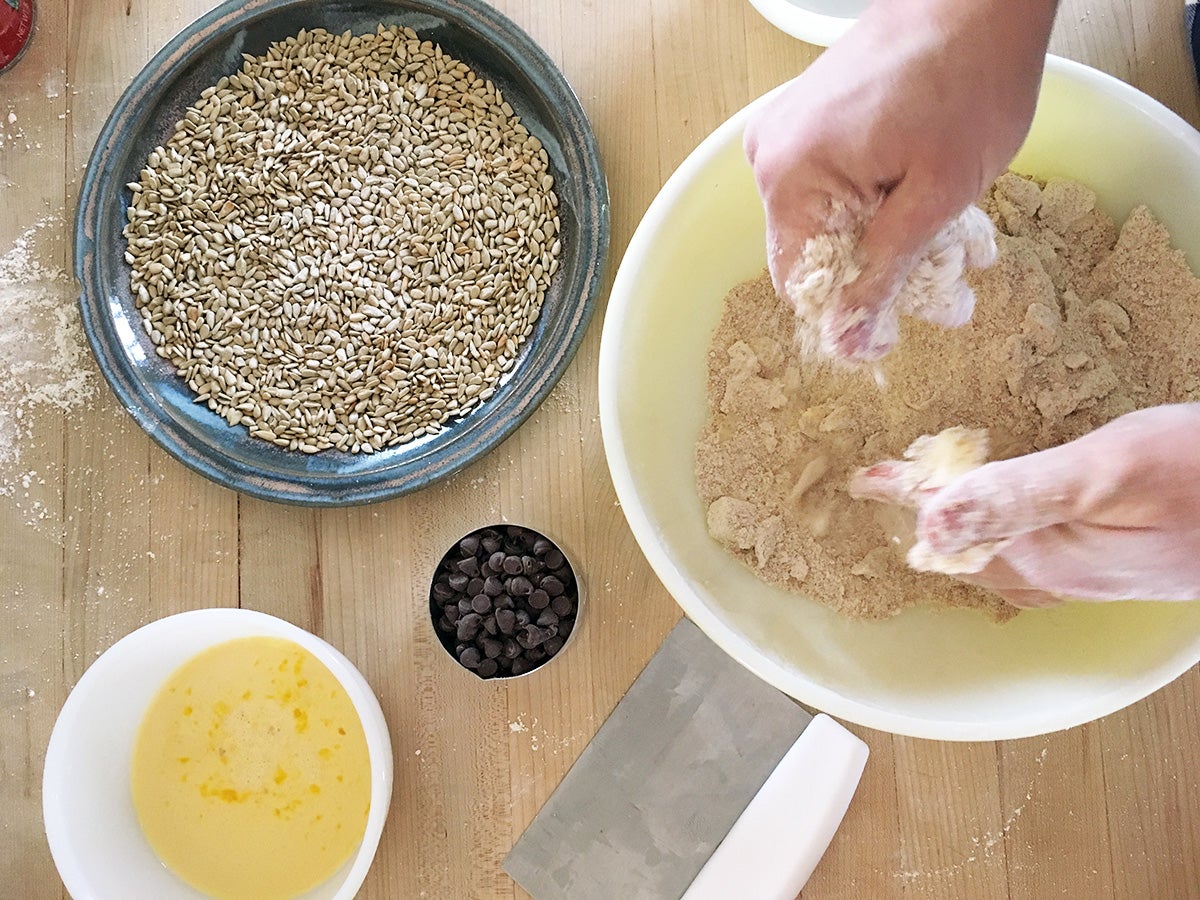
[(16, 25)]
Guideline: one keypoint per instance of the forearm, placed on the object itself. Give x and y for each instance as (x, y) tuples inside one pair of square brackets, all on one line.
[(1018, 29)]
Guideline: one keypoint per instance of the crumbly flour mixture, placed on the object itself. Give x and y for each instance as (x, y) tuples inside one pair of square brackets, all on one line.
[(1076, 323), (935, 289)]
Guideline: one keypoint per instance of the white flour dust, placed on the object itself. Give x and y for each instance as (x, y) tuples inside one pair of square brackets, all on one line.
[(44, 360), (984, 845)]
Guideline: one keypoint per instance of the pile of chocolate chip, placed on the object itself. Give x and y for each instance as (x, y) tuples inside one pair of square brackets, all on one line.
[(504, 600)]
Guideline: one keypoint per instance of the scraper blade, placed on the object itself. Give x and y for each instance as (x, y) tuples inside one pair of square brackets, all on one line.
[(664, 780)]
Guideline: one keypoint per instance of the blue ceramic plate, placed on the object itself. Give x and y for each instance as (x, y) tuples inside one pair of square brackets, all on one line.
[(145, 117)]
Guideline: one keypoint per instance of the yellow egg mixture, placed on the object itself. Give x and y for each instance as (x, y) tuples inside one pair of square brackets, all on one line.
[(250, 774)]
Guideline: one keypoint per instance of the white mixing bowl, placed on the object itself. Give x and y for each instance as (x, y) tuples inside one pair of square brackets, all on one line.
[(95, 839), (945, 674), (818, 22)]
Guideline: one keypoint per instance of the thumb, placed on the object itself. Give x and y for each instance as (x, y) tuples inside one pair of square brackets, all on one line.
[(864, 325), (1005, 499)]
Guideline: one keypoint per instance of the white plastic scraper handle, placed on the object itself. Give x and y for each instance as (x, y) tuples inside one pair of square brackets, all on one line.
[(780, 837)]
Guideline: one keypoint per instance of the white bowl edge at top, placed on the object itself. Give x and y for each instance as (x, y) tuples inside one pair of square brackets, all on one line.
[(819, 22)]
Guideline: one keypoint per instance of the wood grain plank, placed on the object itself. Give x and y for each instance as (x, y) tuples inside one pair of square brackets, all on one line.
[(1100, 35), (773, 57), (1151, 766), (1141, 43), (1052, 788), (951, 820), (460, 782), (32, 611), (108, 457), (700, 72)]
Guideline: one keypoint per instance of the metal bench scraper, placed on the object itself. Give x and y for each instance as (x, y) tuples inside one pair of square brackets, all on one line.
[(704, 783)]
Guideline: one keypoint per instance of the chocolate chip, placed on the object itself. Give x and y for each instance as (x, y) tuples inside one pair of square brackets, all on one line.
[(520, 666), (547, 618), (445, 625), (542, 546), (475, 586), (530, 566), (481, 603), (503, 601), (535, 654), (513, 566), (490, 626), (470, 657), (552, 585), (442, 592), (458, 581), (469, 566), (511, 649), (469, 545), (468, 626), (553, 558), (539, 599), (488, 668), (453, 612), (492, 648), (506, 620), (496, 562), (562, 605), (519, 586), (493, 586), (553, 645), (522, 617), (530, 636), (489, 541)]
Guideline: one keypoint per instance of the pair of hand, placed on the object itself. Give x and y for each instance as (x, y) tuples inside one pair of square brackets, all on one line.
[(916, 110)]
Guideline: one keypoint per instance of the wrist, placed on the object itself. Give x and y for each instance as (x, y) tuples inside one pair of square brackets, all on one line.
[(1028, 22)]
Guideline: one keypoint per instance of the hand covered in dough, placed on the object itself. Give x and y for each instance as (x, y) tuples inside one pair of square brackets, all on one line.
[(1113, 515), (888, 137)]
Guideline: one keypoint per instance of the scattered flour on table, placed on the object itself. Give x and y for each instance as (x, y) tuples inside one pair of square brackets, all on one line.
[(44, 359), (1075, 324)]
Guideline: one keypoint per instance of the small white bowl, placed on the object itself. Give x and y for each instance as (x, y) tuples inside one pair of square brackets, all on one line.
[(945, 674), (95, 839), (819, 22)]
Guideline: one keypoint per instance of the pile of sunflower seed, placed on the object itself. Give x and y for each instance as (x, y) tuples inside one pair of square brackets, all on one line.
[(346, 243)]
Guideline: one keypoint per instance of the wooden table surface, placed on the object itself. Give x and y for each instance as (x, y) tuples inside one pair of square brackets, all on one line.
[(108, 532)]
